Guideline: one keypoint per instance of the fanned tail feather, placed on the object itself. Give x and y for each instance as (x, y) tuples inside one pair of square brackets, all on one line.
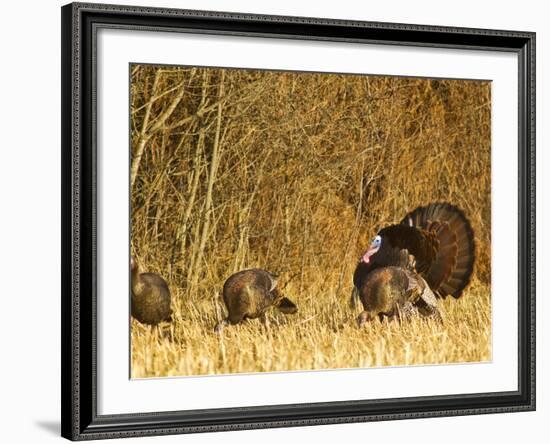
[(452, 268)]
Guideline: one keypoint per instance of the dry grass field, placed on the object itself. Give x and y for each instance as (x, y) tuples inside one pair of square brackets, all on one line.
[(295, 173), (323, 335)]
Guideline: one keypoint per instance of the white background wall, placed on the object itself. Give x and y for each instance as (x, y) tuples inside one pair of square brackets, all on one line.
[(30, 220)]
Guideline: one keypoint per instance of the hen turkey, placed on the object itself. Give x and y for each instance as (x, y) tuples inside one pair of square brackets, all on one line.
[(150, 297), (248, 294)]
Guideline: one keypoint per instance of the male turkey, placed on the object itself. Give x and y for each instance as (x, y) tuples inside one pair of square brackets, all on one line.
[(150, 297), (429, 255), (248, 294)]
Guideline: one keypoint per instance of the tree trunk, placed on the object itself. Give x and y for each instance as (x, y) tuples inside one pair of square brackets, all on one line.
[(208, 210)]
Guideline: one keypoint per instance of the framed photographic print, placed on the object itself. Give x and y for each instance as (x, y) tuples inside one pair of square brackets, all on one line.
[(281, 221)]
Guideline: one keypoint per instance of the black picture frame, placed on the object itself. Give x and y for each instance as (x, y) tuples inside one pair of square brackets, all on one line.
[(79, 390)]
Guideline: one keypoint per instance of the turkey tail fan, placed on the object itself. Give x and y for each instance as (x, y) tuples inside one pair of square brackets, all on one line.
[(452, 268)]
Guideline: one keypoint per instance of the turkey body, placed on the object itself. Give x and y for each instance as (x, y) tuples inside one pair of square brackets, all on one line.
[(408, 266), (395, 291), (248, 294), (150, 297)]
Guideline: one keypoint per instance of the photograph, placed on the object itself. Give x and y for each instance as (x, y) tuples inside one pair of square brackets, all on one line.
[(296, 221)]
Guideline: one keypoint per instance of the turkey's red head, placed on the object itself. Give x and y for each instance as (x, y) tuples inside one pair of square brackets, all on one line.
[(373, 249)]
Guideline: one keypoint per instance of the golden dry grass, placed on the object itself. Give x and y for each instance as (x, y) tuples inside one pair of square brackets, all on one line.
[(323, 335), (295, 173)]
